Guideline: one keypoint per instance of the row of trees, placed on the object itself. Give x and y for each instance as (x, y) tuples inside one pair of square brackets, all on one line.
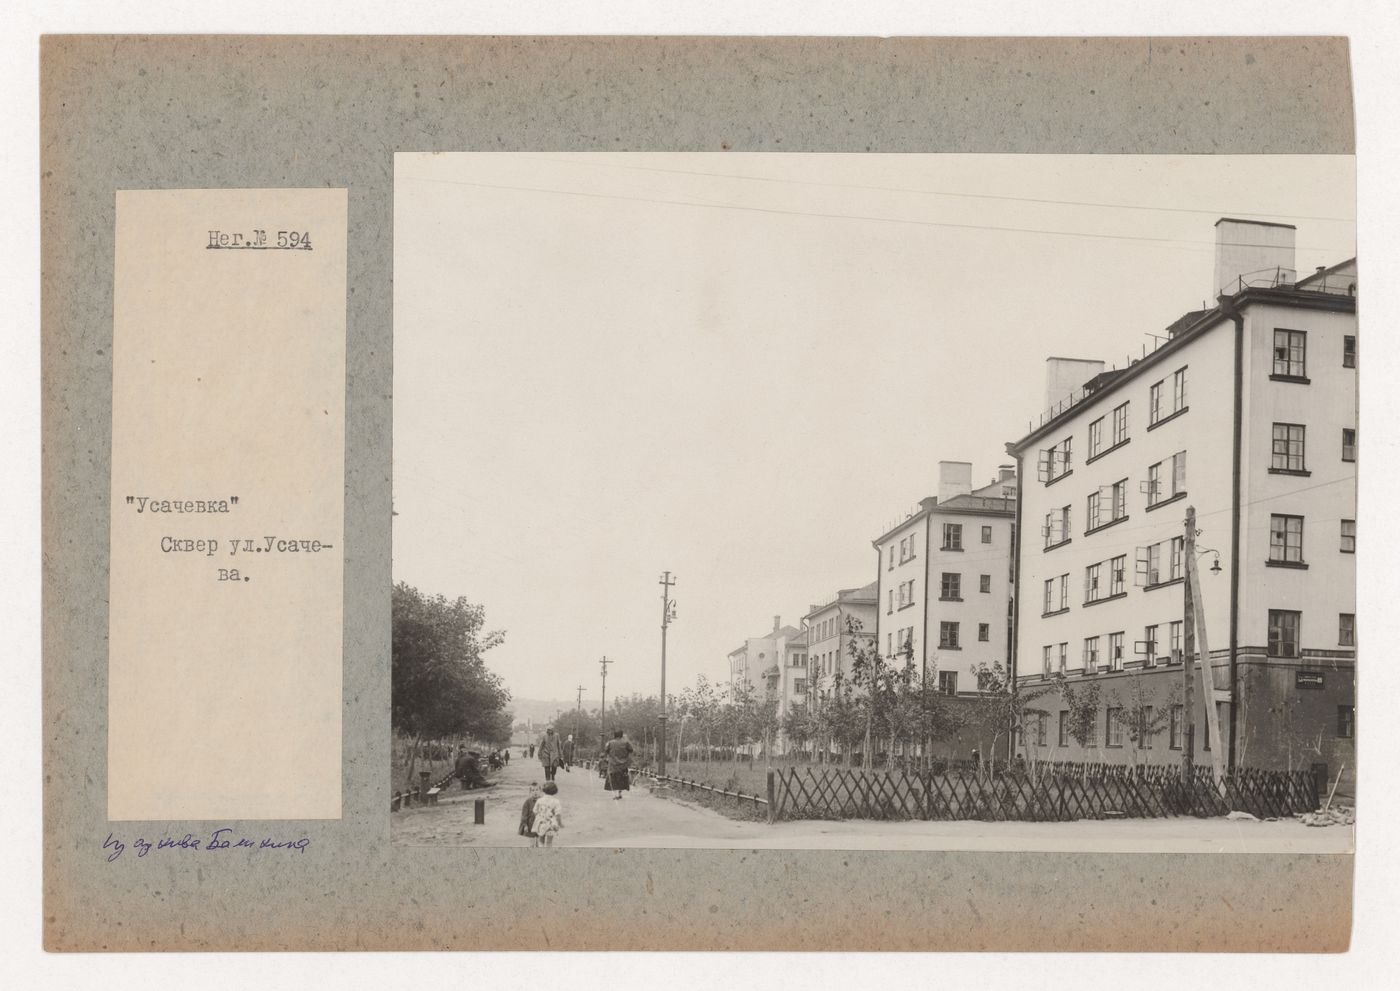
[(877, 705), (441, 689)]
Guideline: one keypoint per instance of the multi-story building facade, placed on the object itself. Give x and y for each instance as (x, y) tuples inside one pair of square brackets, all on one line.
[(833, 627), (945, 580), (774, 665), (1247, 413)]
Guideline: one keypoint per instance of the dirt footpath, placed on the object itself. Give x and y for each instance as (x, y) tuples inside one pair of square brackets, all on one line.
[(593, 819)]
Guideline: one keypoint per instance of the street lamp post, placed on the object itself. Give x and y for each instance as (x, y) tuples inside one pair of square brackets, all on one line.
[(668, 613)]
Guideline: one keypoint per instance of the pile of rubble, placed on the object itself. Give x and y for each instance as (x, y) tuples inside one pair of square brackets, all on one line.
[(1336, 815)]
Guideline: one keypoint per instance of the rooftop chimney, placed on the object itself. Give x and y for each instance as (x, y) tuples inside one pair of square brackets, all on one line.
[(954, 479), (1065, 376), (1006, 473), (777, 622), (1252, 252)]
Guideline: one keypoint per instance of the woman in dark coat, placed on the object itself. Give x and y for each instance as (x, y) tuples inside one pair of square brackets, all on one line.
[(619, 755)]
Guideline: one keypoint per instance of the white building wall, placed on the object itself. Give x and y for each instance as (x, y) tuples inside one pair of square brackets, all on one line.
[(992, 559), (1204, 433), (1327, 495)]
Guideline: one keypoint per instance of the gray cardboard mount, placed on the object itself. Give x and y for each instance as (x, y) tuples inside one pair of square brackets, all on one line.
[(135, 112)]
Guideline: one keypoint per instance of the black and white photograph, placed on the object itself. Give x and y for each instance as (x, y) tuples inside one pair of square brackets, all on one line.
[(875, 502)]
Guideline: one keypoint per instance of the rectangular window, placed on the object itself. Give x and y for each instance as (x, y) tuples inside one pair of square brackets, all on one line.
[(952, 536), (951, 586), (1154, 402), (903, 550), (891, 608), (1346, 629), (1056, 526), (1063, 600), (1174, 648), (1174, 719), (1115, 652), (1179, 389), (1288, 447), (1176, 563), (891, 564), (1149, 565), (1096, 437), (1348, 351), (1283, 632), (1120, 424), (984, 632), (1042, 720), (799, 686), (948, 635), (1113, 727), (1091, 512), (1047, 606), (1348, 444), (889, 645), (1120, 499), (1290, 353), (1117, 575), (1145, 730), (1155, 492), (1149, 651), (984, 584), (1091, 583), (1062, 665), (1346, 721), (1348, 536), (1064, 728), (1091, 655), (1056, 461), (986, 535), (1047, 655), (948, 682), (1286, 539)]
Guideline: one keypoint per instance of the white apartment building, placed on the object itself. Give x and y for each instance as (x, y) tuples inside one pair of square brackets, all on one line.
[(829, 633), (774, 665), (945, 583), (1248, 413)]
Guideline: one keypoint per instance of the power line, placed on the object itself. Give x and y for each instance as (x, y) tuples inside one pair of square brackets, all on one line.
[(1182, 243), (938, 192)]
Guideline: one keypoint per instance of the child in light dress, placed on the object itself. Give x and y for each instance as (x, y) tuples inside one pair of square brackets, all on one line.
[(549, 814)]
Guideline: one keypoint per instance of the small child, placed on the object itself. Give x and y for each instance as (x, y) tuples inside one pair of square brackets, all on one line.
[(527, 815), (549, 815)]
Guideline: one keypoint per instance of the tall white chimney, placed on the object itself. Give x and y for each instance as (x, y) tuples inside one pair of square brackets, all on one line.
[(954, 479), (1252, 252), (1065, 376)]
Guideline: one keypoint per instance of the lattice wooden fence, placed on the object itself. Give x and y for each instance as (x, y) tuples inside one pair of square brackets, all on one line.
[(1046, 793)]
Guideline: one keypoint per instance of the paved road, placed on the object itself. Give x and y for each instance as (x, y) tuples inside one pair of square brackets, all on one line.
[(593, 819)]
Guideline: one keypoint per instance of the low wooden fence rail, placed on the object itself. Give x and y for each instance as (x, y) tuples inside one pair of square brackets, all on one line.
[(1046, 793)]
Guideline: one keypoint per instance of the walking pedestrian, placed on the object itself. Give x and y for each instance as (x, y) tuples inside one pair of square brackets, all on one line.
[(619, 760), (551, 753), (549, 814), (569, 752), (527, 815)]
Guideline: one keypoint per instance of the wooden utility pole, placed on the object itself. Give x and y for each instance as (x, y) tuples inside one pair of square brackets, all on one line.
[(668, 606), (1196, 611), (603, 712), (578, 708)]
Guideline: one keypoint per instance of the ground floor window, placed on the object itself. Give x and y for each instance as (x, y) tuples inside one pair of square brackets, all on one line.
[(1174, 728), (1346, 721), (1113, 727)]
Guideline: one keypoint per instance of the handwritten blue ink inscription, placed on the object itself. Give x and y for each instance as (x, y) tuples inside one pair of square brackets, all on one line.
[(220, 839)]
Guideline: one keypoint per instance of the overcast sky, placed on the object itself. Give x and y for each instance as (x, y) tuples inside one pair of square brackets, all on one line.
[(742, 368)]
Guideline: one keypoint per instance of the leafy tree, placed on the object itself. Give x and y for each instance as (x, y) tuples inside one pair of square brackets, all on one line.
[(439, 685), (1004, 704), (1083, 706), (1139, 714)]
